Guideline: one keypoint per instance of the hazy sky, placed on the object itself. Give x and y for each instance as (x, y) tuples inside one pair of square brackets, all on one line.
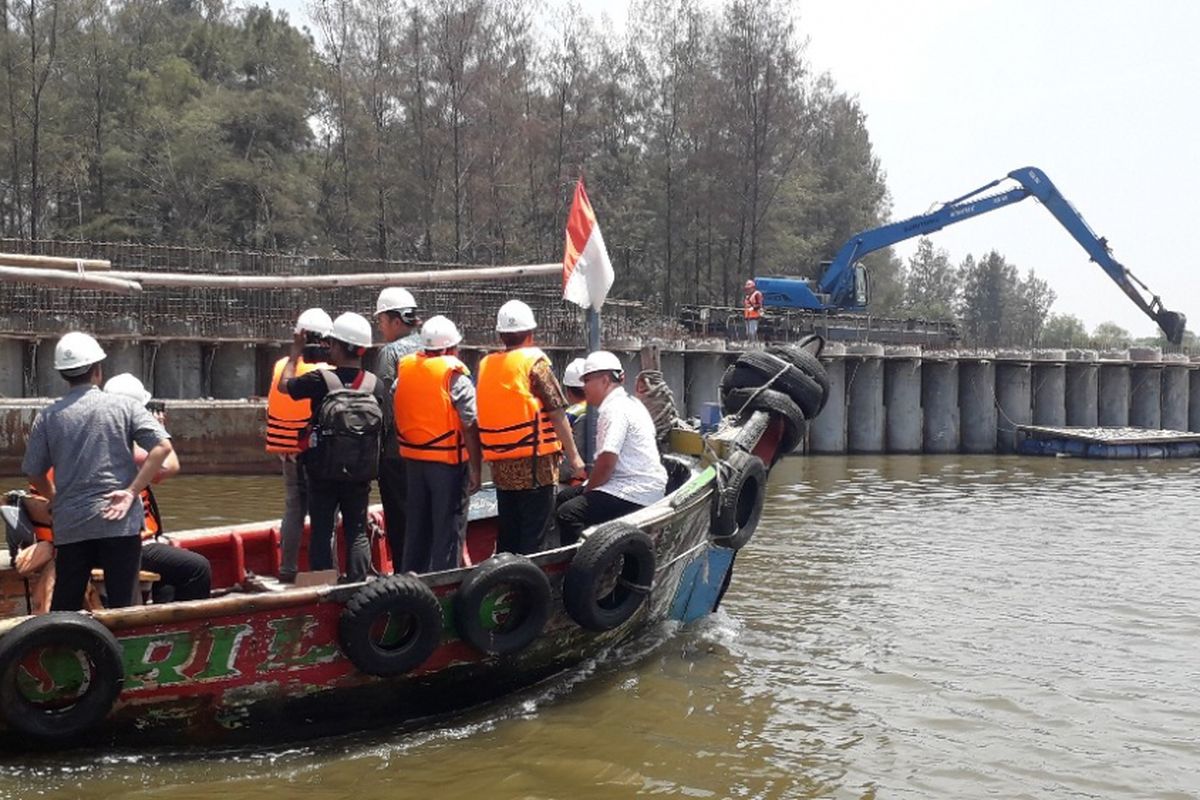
[(1102, 95)]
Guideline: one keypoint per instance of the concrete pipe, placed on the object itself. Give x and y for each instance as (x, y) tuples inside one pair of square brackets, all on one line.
[(1113, 406), (1145, 388), (1050, 389), (827, 432), (1083, 389), (902, 400), (865, 431), (939, 404), (977, 405), (1175, 393), (178, 370), (234, 371), (1014, 399)]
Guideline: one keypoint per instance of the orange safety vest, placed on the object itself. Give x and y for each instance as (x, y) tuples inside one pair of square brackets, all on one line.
[(428, 427), (754, 302), (286, 417), (511, 421)]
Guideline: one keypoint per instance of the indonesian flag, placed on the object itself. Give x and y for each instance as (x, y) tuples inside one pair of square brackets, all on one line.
[(587, 272)]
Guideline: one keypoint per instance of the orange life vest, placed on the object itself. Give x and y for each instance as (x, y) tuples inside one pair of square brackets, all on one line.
[(152, 520), (286, 417), (754, 302), (511, 421), (428, 427)]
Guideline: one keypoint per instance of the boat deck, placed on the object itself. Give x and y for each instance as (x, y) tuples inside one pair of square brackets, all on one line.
[(1107, 442)]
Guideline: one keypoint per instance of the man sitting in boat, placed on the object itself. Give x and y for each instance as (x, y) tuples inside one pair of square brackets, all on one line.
[(628, 473), (439, 440), (523, 430), (86, 437), (183, 575)]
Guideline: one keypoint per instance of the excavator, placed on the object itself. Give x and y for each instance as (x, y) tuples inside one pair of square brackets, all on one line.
[(844, 286)]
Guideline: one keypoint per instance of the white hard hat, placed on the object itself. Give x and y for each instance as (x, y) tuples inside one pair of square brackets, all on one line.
[(438, 333), (76, 350), (128, 385), (602, 361), (394, 298), (514, 317), (353, 329), (314, 320), (573, 374)]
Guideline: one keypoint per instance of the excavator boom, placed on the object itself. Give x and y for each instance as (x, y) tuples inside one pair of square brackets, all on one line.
[(840, 281)]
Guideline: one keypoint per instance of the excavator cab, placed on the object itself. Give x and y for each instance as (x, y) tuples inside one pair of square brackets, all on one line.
[(862, 286)]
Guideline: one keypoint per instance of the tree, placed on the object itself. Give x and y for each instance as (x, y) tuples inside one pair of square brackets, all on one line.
[(1110, 335), (931, 283), (1063, 330)]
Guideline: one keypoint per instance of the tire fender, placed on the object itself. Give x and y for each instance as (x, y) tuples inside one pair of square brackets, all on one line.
[(738, 505), (80, 634), (588, 598), (412, 615), (530, 598)]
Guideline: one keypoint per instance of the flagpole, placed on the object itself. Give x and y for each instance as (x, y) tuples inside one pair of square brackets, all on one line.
[(589, 421)]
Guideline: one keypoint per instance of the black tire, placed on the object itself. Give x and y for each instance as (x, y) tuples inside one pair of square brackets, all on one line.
[(804, 360), (778, 404), (738, 506), (531, 608), (401, 602), (595, 595), (81, 635), (754, 369)]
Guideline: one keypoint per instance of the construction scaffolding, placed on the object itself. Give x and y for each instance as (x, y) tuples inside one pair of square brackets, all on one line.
[(267, 315)]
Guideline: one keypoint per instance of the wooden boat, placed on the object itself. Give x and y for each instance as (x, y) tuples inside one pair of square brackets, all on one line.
[(253, 666)]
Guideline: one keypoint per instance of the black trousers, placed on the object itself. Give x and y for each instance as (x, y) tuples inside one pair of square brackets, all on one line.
[(325, 499), (437, 516), (524, 519), (393, 490), (118, 556), (185, 575), (578, 509)]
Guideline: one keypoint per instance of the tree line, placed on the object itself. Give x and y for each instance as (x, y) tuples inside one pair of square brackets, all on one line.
[(441, 130), (997, 306)]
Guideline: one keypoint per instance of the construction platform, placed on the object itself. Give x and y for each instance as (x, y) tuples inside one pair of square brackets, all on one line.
[(1106, 443)]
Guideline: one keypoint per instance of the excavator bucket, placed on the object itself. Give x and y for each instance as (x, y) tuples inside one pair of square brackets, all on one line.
[(1172, 324)]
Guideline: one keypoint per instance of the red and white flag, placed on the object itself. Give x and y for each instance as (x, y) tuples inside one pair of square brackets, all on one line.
[(587, 272)]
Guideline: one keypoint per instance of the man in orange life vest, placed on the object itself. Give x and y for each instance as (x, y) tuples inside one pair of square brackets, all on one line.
[(286, 418), (439, 440), (522, 429), (752, 305)]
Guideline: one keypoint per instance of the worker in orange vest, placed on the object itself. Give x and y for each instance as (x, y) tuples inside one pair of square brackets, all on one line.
[(286, 419), (523, 428), (438, 436), (752, 309)]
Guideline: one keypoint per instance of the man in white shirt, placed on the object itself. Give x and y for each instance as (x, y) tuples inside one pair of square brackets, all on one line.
[(628, 473)]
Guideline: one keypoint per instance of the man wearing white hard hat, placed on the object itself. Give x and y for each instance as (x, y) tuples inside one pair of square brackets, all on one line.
[(523, 429), (341, 455), (572, 383), (286, 421), (183, 575), (438, 436), (396, 317), (628, 473), (86, 437)]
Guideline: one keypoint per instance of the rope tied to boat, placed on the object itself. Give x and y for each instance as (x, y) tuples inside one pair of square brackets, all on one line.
[(652, 389), (760, 389)]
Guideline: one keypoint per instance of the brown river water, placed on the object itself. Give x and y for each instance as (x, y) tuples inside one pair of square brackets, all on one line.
[(915, 627)]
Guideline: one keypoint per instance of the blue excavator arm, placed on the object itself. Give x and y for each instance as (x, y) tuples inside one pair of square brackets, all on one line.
[(838, 282)]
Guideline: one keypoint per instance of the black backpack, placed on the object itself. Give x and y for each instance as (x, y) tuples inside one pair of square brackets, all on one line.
[(349, 424)]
